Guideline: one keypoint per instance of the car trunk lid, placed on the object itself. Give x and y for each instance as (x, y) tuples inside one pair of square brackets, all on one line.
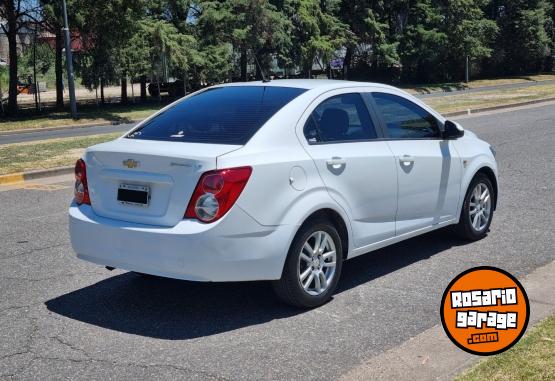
[(147, 181)]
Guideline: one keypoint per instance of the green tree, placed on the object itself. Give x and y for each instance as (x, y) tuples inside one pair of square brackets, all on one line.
[(368, 27), (255, 29), (3, 84), (215, 64), (210, 20), (423, 43), (52, 22), (317, 32), (469, 33), (526, 38), (105, 29), (15, 14), (158, 49), (43, 58)]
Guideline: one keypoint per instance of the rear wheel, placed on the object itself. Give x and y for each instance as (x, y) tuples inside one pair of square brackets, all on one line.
[(312, 267), (477, 209)]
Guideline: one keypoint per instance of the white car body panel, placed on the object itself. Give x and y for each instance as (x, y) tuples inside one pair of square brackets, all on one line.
[(232, 249), (428, 185), (475, 155), (170, 169), (290, 181), (368, 166)]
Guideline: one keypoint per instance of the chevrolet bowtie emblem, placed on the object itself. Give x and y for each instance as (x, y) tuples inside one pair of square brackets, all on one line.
[(130, 163)]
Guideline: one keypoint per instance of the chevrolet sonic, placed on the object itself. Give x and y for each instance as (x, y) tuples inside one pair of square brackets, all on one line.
[(280, 181)]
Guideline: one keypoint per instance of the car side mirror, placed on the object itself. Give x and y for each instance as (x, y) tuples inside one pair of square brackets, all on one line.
[(452, 130)]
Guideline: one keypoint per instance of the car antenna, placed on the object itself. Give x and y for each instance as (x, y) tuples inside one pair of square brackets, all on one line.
[(264, 79)]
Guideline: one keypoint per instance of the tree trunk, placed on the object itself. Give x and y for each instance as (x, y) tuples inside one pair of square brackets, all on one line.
[(12, 55), (143, 88), (347, 62), (158, 88), (243, 64), (102, 100), (257, 69), (185, 77), (59, 70), (124, 89)]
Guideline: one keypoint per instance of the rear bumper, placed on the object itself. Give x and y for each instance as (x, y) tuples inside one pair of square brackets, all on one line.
[(236, 248)]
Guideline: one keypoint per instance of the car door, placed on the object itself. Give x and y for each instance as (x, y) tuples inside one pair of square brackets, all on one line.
[(356, 166), (429, 167)]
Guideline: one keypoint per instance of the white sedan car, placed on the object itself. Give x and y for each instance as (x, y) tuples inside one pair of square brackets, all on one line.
[(280, 181)]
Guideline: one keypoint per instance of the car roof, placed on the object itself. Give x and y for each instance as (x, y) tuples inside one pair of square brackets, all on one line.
[(309, 84)]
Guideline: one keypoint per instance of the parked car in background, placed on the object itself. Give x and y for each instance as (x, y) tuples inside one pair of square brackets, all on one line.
[(173, 89), (280, 181)]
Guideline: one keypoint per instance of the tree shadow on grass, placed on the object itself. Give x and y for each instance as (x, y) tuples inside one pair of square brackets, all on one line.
[(176, 310), (446, 88)]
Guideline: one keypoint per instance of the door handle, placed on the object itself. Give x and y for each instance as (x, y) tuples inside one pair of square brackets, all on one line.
[(336, 161), (406, 160)]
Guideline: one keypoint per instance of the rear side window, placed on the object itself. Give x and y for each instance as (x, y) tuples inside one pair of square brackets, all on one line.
[(223, 115), (341, 118), (404, 119)]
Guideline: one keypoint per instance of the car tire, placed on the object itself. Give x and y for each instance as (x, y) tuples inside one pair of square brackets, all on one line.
[(317, 263), (468, 227)]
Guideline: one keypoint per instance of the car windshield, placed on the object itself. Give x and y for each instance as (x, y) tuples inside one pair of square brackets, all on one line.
[(222, 115)]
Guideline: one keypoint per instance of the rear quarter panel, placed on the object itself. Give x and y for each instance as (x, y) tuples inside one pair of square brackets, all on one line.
[(285, 187)]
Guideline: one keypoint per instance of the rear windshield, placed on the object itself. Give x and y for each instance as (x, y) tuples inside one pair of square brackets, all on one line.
[(223, 115)]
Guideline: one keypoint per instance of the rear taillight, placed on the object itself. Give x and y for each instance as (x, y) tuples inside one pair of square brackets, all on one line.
[(216, 192), (81, 191)]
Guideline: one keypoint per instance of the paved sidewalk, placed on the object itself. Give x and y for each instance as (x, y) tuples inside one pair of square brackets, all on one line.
[(432, 356)]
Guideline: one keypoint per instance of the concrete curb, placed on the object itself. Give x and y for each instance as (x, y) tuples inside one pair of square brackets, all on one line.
[(19, 177), (432, 356), (70, 127)]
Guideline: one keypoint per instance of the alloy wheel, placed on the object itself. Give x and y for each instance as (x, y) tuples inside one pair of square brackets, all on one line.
[(317, 263), (480, 207)]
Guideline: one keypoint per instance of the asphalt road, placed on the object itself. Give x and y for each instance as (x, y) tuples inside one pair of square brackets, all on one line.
[(83, 131), (61, 318)]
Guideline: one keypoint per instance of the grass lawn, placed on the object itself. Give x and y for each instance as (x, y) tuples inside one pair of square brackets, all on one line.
[(89, 114), (47, 153), (423, 89), (532, 358), (462, 102)]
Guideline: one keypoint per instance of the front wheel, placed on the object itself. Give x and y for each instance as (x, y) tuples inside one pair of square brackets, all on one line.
[(477, 209), (312, 267)]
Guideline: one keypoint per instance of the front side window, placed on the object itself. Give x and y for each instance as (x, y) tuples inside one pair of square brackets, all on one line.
[(404, 119), (341, 118), (222, 115)]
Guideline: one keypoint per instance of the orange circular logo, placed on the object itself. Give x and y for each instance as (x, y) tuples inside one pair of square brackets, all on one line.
[(485, 310)]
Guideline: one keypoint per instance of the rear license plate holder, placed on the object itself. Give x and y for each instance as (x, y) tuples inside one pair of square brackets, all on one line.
[(131, 194)]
